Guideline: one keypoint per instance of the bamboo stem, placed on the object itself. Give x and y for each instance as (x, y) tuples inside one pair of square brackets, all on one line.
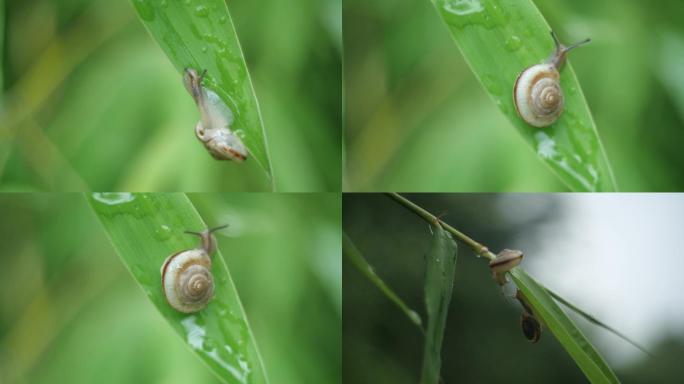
[(478, 248)]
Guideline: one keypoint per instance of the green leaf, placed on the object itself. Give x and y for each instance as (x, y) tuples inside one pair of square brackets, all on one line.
[(596, 321), (440, 268), (2, 40), (349, 250), (200, 35), (145, 229), (499, 39), (565, 330)]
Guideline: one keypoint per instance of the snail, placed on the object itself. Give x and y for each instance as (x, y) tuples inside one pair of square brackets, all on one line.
[(537, 93), (531, 327), (504, 261), (187, 282), (213, 128)]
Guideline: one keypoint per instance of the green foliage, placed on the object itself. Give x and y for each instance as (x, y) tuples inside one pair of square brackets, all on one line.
[(90, 101), (144, 230), (2, 39), (201, 35), (501, 38), (440, 269), (80, 318), (351, 252), (564, 329), (418, 118)]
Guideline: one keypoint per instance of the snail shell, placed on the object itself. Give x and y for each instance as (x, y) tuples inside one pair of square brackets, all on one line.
[(187, 282), (213, 128), (504, 262), (537, 94), (530, 327)]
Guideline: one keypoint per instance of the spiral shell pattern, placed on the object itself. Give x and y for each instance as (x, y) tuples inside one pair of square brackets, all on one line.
[(187, 280), (538, 95)]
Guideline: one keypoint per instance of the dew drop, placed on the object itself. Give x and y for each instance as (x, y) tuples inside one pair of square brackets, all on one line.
[(162, 233), (513, 43), (114, 198), (502, 106), (201, 11), (463, 7), (492, 85)]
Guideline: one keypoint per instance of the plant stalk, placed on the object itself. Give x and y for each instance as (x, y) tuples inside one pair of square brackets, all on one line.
[(478, 248)]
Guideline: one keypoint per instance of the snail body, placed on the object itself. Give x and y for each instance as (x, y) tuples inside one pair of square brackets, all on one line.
[(213, 128), (187, 281), (537, 93)]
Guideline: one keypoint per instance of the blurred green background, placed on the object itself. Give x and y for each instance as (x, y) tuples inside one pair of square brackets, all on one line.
[(71, 313), (572, 244), (418, 120), (90, 102)]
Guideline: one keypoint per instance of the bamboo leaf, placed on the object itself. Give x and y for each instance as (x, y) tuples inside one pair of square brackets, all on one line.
[(200, 35), (145, 229), (500, 38), (2, 40), (440, 267), (596, 321), (564, 329), (360, 262)]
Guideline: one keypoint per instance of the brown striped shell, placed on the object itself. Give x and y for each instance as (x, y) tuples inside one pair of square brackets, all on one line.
[(537, 93), (187, 282)]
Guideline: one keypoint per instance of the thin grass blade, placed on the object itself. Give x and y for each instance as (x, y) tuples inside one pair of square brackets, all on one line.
[(350, 251), (595, 321)]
